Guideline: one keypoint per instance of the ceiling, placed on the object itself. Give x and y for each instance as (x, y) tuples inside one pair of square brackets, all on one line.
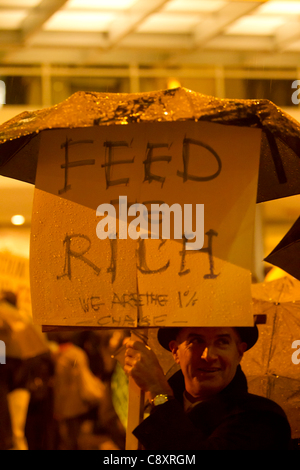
[(174, 32)]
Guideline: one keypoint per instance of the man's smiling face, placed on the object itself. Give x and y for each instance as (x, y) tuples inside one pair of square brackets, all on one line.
[(208, 358)]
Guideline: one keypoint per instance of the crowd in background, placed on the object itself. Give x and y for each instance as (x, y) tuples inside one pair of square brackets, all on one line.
[(67, 397)]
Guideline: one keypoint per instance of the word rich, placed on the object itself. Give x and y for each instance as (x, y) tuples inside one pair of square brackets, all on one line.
[(2, 93), (160, 215)]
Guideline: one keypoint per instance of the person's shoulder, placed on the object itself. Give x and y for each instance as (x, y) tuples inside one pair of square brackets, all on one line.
[(259, 403), (270, 416)]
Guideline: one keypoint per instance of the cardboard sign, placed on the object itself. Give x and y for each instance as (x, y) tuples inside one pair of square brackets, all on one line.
[(79, 280)]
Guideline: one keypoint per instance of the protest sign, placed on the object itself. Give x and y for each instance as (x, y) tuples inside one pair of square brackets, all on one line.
[(78, 279)]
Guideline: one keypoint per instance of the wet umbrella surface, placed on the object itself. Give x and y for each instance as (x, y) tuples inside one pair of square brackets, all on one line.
[(268, 365)]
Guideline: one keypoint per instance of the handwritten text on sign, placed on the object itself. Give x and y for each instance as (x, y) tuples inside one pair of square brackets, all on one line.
[(78, 279)]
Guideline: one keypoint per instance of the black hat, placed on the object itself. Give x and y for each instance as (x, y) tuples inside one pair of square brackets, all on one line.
[(248, 334)]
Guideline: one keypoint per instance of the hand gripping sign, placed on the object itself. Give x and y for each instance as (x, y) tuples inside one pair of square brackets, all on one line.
[(109, 204)]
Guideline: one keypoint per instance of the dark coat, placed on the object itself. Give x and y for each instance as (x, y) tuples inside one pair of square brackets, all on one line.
[(232, 420)]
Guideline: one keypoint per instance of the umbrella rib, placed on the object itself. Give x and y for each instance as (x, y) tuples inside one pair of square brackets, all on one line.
[(276, 157)]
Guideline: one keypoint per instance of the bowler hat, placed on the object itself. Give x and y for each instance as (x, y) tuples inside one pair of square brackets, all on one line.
[(248, 334)]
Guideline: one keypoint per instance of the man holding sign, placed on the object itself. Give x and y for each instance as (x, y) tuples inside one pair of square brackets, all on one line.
[(205, 406)]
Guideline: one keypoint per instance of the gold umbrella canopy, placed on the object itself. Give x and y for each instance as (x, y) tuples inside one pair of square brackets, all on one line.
[(269, 365), (279, 173)]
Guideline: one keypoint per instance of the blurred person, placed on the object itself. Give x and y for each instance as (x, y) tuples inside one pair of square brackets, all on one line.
[(14, 400), (6, 435), (77, 391), (21, 379), (206, 405), (100, 346), (14, 394), (91, 343), (40, 424), (109, 419)]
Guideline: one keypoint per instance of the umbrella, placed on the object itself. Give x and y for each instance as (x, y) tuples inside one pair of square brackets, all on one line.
[(287, 253), (268, 366), (20, 336), (280, 151)]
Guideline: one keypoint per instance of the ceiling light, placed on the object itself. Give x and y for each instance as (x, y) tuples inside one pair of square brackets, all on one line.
[(256, 25), (173, 83), (100, 4), (80, 21), (18, 220), (280, 8)]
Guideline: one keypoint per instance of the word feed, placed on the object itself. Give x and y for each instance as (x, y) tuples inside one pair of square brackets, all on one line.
[(123, 148), (127, 243)]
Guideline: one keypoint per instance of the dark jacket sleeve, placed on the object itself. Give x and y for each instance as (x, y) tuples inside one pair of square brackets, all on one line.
[(169, 428)]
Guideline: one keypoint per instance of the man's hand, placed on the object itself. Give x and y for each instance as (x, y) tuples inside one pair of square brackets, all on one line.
[(142, 365)]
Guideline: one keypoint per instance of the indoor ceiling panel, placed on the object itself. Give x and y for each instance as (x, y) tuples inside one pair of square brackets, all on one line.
[(83, 31), (197, 6), (12, 19), (285, 7), (19, 3), (167, 23), (256, 25), (294, 46), (80, 21)]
